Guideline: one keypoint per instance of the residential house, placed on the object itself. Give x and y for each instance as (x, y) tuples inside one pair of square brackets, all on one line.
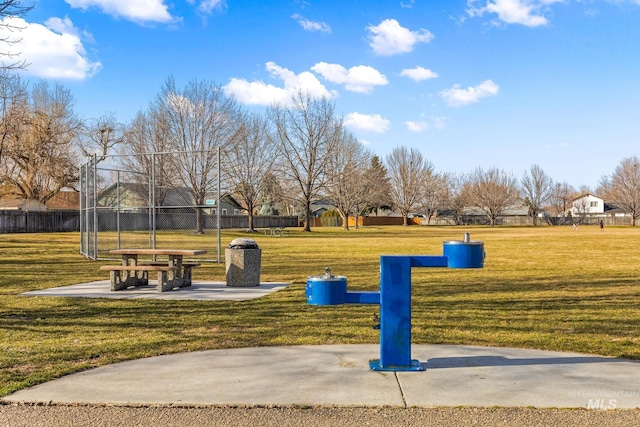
[(318, 207), (133, 197), (587, 205)]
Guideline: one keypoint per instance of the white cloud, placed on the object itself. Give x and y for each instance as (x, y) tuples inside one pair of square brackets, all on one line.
[(525, 12), (367, 122), (180, 104), (260, 93), (359, 79), (389, 38), (207, 6), (63, 26), (433, 122), (256, 93), (53, 51), (311, 25), (417, 126), (133, 10), (457, 97), (418, 74)]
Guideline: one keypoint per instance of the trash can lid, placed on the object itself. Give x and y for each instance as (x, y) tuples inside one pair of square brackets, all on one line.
[(243, 243)]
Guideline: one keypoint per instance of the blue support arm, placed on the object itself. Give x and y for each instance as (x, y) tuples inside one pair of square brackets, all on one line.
[(362, 298)]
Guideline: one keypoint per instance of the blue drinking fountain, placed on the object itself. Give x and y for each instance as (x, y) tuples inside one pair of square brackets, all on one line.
[(394, 297)]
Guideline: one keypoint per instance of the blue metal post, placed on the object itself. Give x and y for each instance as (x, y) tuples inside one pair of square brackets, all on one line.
[(395, 311)]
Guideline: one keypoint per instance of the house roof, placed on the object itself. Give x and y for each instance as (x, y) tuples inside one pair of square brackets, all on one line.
[(65, 200), (613, 209), (22, 204), (586, 195), (319, 206)]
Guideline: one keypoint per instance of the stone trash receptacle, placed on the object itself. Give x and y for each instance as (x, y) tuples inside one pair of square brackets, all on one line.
[(242, 259)]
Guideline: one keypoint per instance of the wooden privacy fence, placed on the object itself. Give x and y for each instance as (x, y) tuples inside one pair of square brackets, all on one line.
[(382, 220), (16, 221), (363, 221)]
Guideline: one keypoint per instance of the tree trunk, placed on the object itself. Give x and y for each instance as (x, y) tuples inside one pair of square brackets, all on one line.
[(307, 216), (345, 221), (250, 219)]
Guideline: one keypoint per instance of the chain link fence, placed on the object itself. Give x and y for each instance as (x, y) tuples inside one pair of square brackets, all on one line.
[(152, 200)]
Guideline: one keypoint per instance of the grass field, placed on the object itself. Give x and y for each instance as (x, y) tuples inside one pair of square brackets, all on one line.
[(549, 288)]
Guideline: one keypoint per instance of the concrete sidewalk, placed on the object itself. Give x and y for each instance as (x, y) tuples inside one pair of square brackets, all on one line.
[(339, 375), (198, 291)]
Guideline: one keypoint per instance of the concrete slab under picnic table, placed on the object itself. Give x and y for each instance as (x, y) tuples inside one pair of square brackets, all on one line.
[(199, 290)]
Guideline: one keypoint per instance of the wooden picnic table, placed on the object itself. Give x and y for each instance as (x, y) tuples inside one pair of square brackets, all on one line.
[(172, 272)]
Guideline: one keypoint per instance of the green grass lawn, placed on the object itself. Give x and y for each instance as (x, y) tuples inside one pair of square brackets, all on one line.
[(549, 288)]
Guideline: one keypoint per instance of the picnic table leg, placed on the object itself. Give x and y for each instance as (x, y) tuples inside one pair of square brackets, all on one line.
[(178, 278), (117, 284), (129, 278), (123, 279), (164, 284), (186, 276), (167, 281)]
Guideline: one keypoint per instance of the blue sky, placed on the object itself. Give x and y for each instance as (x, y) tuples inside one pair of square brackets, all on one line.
[(486, 83)]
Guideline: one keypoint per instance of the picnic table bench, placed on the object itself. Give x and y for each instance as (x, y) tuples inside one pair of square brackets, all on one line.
[(276, 231), (172, 273)]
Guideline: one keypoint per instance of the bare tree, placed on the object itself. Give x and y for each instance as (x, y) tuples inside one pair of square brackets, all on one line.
[(458, 201), (146, 153), (623, 187), (9, 10), (435, 194), (102, 136), (372, 189), (493, 191), (289, 199), (305, 133), (13, 93), (249, 161), (38, 153), (272, 199), (346, 169), (560, 199), (536, 187), (196, 120), (407, 173)]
